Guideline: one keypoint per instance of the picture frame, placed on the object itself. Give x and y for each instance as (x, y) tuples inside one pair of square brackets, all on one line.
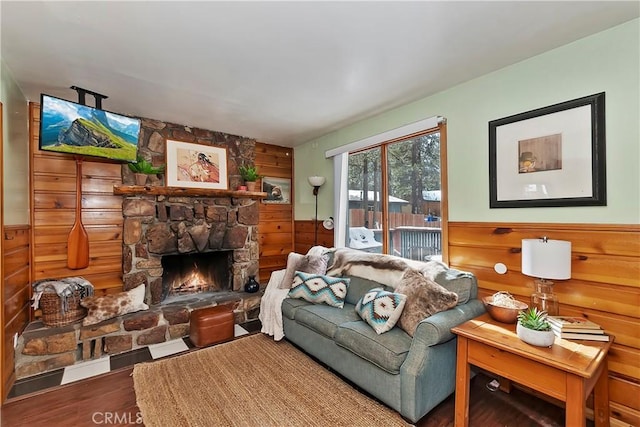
[(196, 166), (278, 190), (549, 157)]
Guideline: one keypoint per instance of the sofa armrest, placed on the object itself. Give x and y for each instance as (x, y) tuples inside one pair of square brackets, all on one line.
[(437, 328)]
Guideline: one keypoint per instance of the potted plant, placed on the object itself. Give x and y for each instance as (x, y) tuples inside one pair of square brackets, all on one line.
[(141, 168), (534, 329), (249, 174)]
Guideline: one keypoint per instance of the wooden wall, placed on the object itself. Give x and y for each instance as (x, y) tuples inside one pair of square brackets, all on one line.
[(16, 286), (53, 196), (604, 285), (305, 236), (276, 220)]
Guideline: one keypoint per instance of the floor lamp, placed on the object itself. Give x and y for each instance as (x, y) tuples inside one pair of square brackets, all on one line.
[(316, 182)]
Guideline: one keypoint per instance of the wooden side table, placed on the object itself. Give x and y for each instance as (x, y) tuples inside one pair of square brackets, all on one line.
[(568, 371)]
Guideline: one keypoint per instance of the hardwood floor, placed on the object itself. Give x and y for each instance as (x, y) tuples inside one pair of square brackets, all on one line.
[(109, 399), (91, 402)]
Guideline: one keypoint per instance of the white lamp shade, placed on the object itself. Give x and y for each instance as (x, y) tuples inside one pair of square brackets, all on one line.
[(316, 181), (546, 259)]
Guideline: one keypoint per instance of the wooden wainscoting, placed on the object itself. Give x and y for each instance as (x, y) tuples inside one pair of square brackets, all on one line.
[(276, 220), (53, 195), (16, 286), (604, 285), (305, 236)]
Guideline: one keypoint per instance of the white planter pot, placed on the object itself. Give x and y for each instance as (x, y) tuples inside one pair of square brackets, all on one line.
[(537, 338)]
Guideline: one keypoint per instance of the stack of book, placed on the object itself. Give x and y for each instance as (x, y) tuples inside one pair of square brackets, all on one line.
[(576, 328)]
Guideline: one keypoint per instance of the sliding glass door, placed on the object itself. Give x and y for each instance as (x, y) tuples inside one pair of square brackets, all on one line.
[(395, 197)]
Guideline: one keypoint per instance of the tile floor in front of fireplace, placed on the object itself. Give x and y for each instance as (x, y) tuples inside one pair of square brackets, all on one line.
[(91, 368)]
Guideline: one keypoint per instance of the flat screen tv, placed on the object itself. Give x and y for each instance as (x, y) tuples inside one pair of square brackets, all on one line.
[(80, 130)]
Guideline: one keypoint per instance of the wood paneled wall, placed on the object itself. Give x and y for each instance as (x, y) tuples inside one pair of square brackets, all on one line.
[(16, 286), (305, 236), (276, 220), (53, 195), (604, 285)]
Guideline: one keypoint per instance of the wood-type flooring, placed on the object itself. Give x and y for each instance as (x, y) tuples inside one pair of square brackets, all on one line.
[(109, 399)]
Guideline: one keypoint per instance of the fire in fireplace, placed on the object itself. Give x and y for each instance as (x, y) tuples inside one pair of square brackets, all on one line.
[(196, 273)]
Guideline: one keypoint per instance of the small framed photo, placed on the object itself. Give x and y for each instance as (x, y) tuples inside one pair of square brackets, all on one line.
[(549, 157), (278, 190), (196, 166)]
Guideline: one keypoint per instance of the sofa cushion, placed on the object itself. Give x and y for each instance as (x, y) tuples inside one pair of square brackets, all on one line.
[(381, 309), (324, 319), (316, 264), (387, 351), (424, 298), (291, 305), (317, 288), (359, 286)]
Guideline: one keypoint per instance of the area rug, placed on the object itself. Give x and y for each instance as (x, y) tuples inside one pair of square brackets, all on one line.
[(251, 381)]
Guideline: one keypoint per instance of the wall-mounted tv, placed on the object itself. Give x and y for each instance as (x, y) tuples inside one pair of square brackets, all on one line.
[(80, 130)]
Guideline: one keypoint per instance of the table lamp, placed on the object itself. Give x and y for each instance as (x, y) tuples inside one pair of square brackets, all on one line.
[(546, 259)]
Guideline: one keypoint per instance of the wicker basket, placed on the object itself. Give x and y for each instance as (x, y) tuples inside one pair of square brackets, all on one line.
[(52, 314)]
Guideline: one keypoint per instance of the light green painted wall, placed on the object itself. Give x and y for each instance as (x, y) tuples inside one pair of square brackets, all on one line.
[(15, 168), (605, 62)]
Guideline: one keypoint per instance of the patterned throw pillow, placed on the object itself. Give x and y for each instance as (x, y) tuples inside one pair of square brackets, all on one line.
[(317, 288), (381, 309)]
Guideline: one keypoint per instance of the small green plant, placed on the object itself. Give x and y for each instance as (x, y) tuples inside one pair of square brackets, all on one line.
[(249, 173), (534, 319), (143, 166)]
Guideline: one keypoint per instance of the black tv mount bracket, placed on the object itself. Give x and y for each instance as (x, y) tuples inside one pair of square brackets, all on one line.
[(81, 96)]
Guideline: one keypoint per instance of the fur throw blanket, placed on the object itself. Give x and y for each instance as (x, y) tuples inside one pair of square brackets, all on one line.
[(386, 269)]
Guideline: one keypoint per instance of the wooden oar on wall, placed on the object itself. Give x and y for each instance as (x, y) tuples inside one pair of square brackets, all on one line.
[(78, 241)]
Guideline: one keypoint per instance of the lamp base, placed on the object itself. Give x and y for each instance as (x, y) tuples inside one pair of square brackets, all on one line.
[(544, 299)]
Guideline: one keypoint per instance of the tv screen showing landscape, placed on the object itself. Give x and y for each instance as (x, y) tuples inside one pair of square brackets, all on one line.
[(71, 128)]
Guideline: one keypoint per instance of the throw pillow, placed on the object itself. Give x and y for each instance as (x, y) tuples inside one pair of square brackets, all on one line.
[(317, 288), (314, 264), (424, 298), (113, 305), (381, 309)]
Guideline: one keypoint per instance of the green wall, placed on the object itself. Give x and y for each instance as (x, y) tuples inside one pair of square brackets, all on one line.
[(15, 168), (605, 62)]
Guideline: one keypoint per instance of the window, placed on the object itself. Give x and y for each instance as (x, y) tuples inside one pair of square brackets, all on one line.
[(395, 193)]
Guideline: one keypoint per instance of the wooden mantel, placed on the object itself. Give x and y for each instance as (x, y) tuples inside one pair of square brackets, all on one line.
[(150, 190)]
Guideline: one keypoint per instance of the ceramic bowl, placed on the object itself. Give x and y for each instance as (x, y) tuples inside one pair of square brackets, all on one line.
[(503, 314)]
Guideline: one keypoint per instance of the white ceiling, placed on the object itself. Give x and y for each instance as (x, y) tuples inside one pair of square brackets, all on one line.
[(280, 72)]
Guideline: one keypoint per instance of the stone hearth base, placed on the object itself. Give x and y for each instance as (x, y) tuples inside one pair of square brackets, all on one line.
[(41, 349)]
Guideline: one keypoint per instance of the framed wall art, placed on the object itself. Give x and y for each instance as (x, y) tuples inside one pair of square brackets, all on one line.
[(549, 157), (196, 166), (278, 190)]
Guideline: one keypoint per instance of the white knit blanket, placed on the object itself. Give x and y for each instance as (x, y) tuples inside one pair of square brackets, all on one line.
[(271, 306)]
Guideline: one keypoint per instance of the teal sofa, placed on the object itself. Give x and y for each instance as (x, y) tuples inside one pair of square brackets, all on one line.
[(409, 374)]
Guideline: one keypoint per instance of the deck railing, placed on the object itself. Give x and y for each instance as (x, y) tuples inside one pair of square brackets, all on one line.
[(417, 243)]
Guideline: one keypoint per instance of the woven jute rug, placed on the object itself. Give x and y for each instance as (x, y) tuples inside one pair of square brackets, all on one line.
[(251, 381)]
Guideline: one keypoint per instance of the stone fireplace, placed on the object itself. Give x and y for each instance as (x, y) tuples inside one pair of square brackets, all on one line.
[(163, 232), (166, 229)]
